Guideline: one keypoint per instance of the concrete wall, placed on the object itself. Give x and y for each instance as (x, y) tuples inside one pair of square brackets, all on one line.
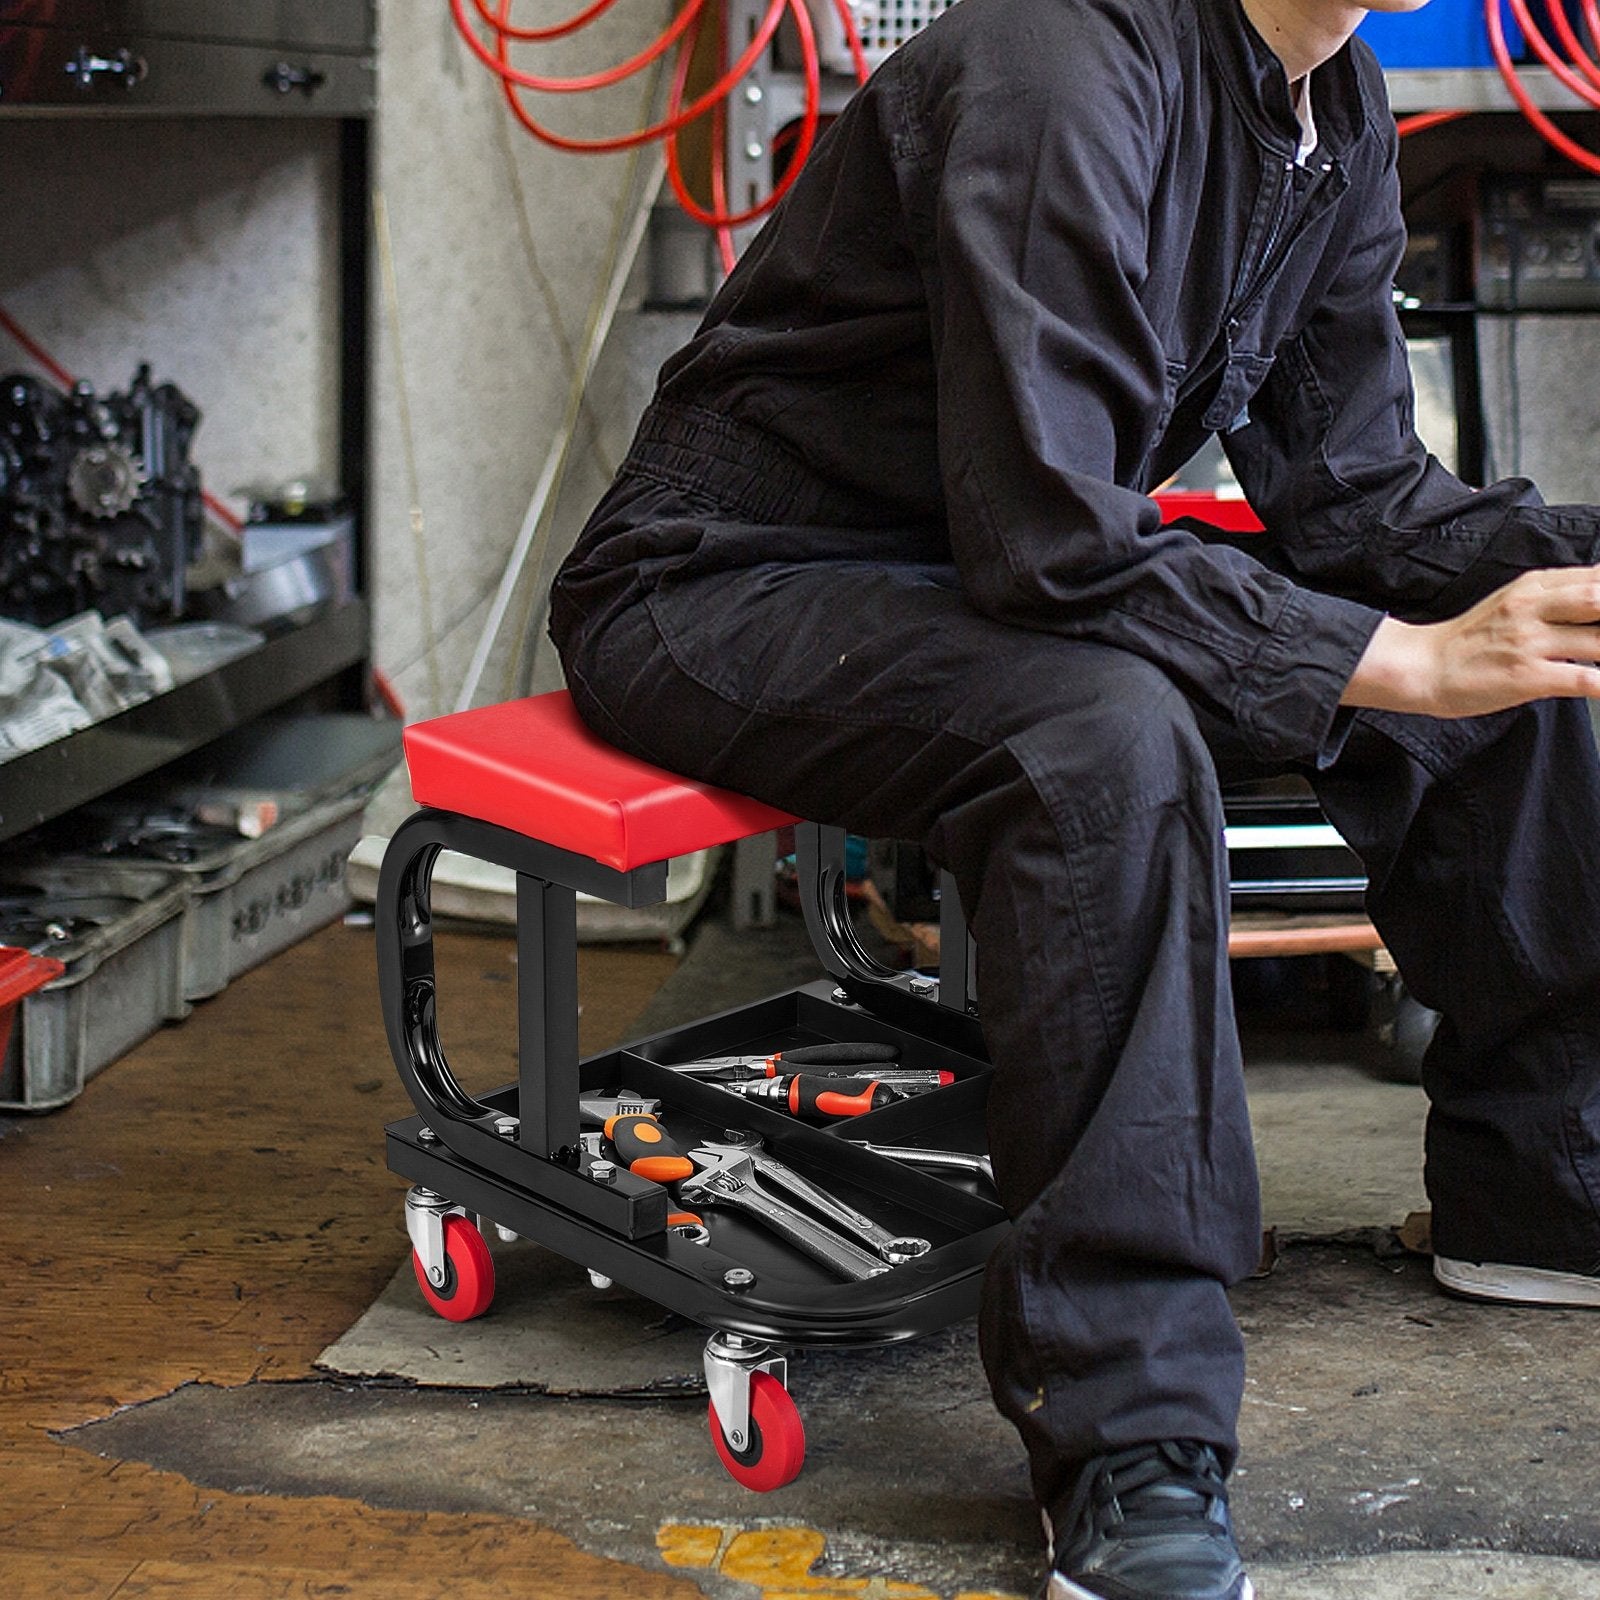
[(500, 250)]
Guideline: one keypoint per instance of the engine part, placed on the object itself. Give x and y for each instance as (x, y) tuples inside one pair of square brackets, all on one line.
[(100, 506)]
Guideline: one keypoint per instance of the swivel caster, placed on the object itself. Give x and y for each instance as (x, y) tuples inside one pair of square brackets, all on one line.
[(449, 1256), (755, 1425)]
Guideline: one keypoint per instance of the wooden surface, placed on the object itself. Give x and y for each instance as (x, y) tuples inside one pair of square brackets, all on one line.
[(1300, 933), (215, 1208)]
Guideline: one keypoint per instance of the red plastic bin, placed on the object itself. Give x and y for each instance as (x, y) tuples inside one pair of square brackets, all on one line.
[(21, 973)]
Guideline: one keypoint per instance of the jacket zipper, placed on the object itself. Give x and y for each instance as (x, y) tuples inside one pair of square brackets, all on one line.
[(1273, 254), (1276, 250)]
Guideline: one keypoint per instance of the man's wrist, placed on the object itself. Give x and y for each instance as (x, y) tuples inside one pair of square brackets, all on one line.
[(1396, 670)]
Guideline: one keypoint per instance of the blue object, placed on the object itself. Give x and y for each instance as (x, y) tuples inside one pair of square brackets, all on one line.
[(1444, 33)]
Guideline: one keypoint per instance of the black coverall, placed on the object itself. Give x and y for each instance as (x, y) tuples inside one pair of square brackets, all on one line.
[(882, 554)]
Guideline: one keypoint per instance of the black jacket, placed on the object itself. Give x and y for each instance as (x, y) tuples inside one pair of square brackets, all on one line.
[(1049, 249)]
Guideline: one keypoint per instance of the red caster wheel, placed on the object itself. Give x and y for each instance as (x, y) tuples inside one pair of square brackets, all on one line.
[(777, 1446), (468, 1273)]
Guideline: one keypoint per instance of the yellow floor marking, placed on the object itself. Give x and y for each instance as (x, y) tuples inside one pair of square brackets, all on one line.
[(778, 1561)]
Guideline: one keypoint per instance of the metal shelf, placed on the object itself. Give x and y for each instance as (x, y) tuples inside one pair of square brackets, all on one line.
[(1413, 89), (197, 59), (40, 784)]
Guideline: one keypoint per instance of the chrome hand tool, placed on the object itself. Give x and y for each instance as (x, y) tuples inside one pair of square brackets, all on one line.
[(893, 1248)]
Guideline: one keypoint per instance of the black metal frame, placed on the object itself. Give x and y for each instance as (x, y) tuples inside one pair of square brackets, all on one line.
[(514, 1154)]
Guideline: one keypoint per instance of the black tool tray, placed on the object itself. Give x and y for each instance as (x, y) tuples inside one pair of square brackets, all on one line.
[(792, 1296)]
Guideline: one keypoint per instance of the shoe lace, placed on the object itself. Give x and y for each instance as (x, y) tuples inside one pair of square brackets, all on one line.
[(1151, 1489)]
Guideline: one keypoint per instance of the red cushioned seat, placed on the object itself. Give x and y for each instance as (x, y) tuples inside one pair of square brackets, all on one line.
[(534, 767)]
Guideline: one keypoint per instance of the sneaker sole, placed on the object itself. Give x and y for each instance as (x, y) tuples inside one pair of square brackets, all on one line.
[(1531, 1286), (1063, 1588)]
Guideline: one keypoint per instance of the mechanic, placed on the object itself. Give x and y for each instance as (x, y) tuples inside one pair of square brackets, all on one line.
[(882, 553)]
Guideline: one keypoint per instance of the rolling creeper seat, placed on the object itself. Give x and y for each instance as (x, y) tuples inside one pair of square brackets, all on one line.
[(527, 786)]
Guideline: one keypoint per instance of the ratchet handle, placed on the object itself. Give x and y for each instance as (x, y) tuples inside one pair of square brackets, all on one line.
[(811, 1096), (646, 1149)]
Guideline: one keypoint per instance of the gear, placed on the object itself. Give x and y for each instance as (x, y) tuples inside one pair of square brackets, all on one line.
[(103, 480)]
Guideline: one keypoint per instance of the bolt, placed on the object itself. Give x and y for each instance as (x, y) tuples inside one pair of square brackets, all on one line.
[(923, 988), (598, 1279), (603, 1171), (427, 1136), (504, 1234), (738, 1278), (752, 94), (506, 1127), (436, 1276), (840, 997), (754, 150)]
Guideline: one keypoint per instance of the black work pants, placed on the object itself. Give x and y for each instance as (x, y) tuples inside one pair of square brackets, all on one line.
[(1074, 794)]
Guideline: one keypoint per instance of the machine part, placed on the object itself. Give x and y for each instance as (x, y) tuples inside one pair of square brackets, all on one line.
[(100, 508), (727, 1177), (1537, 243), (506, 1127), (690, 1232), (506, 1235), (449, 1256), (916, 1156), (882, 26), (896, 1249), (103, 480), (598, 1280)]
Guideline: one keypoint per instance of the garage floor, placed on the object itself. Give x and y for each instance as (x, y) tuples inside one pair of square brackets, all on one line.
[(217, 1382)]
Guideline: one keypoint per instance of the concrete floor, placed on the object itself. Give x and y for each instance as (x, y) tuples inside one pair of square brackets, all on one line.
[(1397, 1444)]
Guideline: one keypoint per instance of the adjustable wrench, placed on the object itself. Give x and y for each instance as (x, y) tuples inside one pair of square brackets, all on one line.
[(727, 1177), (893, 1248)]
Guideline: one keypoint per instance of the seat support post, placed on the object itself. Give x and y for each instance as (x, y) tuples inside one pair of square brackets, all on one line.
[(547, 1015)]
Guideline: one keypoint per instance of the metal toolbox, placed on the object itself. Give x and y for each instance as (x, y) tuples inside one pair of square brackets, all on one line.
[(249, 898), (263, 895), (123, 960)]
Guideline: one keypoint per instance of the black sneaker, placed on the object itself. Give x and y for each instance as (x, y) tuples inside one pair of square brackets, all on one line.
[(1148, 1523), (1524, 1286)]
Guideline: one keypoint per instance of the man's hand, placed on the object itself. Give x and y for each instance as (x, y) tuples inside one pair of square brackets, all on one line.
[(1538, 638)]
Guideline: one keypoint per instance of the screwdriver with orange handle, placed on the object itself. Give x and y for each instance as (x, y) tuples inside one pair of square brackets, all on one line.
[(643, 1146), (812, 1095), (879, 1062)]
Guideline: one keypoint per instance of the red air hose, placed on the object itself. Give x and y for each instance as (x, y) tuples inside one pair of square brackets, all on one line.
[(684, 32), (1587, 87)]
